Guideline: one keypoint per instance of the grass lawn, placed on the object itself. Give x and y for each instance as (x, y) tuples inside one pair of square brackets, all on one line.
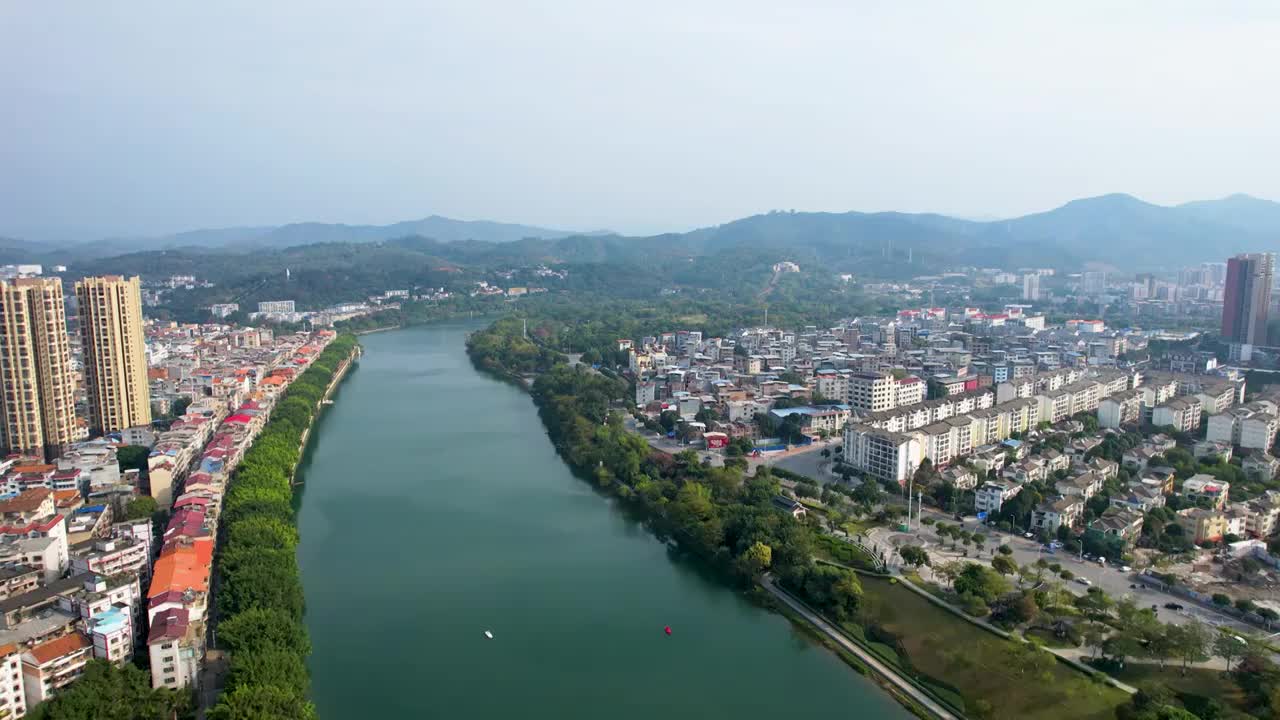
[(839, 551), (1047, 637), (996, 678), (1198, 681), (857, 527)]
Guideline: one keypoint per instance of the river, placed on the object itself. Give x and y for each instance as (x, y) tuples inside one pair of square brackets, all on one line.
[(435, 508)]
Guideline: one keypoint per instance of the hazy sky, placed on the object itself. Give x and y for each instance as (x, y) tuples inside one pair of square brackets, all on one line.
[(153, 117)]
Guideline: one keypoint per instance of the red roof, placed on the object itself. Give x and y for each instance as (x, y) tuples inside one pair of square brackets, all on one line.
[(164, 597), (169, 625), (42, 526), (239, 418)]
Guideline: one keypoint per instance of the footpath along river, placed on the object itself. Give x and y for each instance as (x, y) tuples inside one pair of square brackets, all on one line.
[(435, 508)]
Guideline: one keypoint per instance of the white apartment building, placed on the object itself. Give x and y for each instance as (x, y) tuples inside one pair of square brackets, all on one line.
[(111, 556), (1054, 406), (991, 495), (834, 386), (882, 454), (276, 306), (1217, 398), (13, 701), (1207, 487), (872, 391), (112, 635), (646, 392), (1258, 432), (910, 391), (174, 652), (1183, 413), (1120, 409), (1051, 515)]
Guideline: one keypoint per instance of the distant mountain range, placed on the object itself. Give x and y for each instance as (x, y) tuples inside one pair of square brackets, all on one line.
[(309, 233), (1117, 230)]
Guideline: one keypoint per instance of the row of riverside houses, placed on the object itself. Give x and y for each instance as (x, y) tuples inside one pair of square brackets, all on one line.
[(72, 577), (216, 367), (178, 600)]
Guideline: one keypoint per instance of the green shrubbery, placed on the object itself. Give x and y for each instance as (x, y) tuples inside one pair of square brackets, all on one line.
[(114, 693), (260, 600)]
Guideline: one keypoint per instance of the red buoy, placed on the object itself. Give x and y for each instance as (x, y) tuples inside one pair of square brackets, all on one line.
[(667, 629)]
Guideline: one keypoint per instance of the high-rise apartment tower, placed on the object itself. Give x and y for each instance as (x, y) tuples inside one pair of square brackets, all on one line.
[(37, 390), (115, 356), (1245, 298)]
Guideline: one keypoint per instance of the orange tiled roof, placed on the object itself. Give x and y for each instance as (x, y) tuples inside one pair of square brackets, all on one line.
[(180, 570), (37, 469), (54, 649), (65, 497), (25, 502), (202, 547)]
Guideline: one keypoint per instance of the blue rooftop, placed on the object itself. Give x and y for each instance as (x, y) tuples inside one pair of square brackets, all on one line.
[(806, 410), (109, 620)]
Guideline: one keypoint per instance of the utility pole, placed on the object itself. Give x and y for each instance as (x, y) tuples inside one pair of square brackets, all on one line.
[(911, 484)]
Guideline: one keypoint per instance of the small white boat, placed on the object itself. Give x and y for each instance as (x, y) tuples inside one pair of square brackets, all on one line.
[(488, 634)]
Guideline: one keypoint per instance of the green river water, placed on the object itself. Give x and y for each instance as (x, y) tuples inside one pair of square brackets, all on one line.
[(435, 508)]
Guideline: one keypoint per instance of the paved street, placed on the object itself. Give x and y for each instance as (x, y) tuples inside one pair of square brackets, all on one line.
[(808, 461), (1111, 580), (804, 460)]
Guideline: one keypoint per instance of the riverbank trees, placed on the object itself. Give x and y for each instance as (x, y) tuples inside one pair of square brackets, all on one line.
[(259, 597), (720, 514), (505, 349)]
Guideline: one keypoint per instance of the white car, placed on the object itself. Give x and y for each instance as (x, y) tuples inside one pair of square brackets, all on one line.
[(1028, 535), (1125, 568), (1084, 581)]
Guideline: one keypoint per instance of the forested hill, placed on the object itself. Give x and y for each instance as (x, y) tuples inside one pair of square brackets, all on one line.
[(1117, 230)]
